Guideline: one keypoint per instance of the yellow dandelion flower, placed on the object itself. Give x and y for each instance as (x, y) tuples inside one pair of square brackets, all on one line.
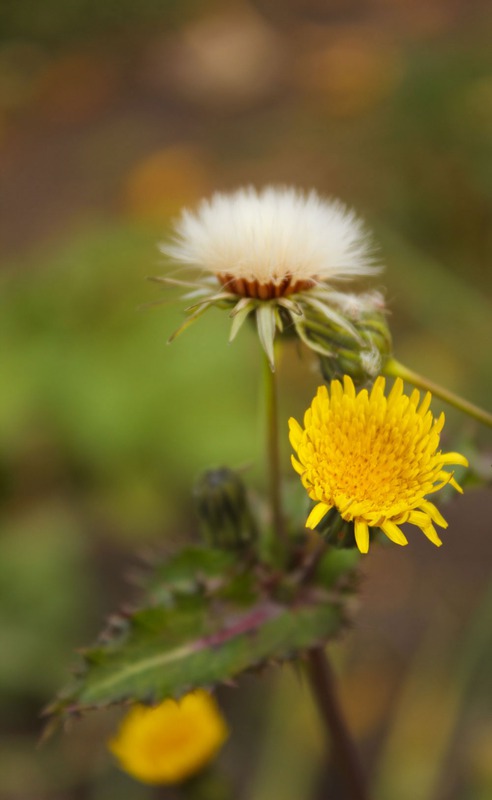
[(373, 458), (170, 742)]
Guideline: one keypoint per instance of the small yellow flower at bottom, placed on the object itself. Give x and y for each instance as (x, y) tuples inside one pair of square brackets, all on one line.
[(170, 742), (373, 458)]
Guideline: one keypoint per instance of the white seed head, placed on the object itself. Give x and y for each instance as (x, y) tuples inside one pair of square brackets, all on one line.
[(271, 234)]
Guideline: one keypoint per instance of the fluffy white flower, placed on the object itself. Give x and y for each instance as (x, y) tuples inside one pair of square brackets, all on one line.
[(276, 236), (276, 255)]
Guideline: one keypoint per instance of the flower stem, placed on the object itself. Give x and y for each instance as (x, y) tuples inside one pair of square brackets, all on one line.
[(397, 370), (273, 451), (345, 754)]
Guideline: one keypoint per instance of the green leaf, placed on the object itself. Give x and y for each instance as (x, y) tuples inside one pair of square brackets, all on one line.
[(209, 619), (189, 570)]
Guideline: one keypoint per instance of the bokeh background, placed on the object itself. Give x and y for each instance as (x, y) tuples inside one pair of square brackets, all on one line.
[(113, 115)]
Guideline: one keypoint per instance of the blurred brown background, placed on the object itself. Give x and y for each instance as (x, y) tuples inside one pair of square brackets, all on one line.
[(113, 115)]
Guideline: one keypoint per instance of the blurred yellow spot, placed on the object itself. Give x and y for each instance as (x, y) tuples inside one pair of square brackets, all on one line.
[(352, 73), (172, 741), (165, 181)]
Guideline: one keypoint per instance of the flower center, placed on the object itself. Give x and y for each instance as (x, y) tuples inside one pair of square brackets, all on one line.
[(264, 291), (380, 470)]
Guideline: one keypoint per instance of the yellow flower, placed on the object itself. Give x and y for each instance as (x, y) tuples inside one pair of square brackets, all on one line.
[(374, 459), (170, 742)]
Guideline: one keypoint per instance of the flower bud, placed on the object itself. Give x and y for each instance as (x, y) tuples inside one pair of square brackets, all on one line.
[(358, 345), (222, 505)]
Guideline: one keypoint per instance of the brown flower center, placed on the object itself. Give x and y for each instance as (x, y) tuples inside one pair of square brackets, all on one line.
[(264, 291)]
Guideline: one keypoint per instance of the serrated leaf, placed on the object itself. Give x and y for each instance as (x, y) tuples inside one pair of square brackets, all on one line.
[(201, 638), (165, 653), (192, 567)]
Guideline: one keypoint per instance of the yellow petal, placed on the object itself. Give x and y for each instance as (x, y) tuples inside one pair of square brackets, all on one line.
[(336, 391), (415, 398), (362, 535), (439, 423), (297, 466), (295, 433), (396, 392), (317, 514), (434, 513), (348, 386), (424, 407), (431, 534), (394, 533), (419, 518), (455, 485), (453, 458), (377, 388)]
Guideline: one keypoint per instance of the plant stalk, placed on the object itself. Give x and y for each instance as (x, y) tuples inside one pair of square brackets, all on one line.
[(397, 370), (273, 452), (344, 751)]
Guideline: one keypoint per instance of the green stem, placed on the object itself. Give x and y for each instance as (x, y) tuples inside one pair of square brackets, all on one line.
[(344, 751), (397, 370), (273, 451)]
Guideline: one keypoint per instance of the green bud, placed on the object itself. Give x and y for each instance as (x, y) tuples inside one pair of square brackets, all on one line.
[(360, 348), (222, 505)]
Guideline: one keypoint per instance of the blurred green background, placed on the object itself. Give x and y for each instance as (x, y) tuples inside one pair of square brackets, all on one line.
[(112, 117)]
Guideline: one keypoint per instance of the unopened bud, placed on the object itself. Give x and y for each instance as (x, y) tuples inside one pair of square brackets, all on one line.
[(222, 505), (358, 346)]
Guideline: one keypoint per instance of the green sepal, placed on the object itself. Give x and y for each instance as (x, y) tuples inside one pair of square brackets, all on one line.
[(266, 324), (206, 619)]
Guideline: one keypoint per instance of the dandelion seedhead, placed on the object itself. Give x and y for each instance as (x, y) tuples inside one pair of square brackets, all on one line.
[(275, 254)]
